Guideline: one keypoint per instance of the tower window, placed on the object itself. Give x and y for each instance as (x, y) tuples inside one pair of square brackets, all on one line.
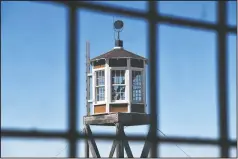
[(118, 85), (137, 86), (100, 85)]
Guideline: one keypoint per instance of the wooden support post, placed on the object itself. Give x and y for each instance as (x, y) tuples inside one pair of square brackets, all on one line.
[(86, 145), (120, 146), (91, 143), (147, 145), (124, 143), (127, 146), (121, 142), (114, 145)]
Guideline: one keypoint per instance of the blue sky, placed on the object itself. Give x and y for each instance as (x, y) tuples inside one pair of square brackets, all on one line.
[(34, 74)]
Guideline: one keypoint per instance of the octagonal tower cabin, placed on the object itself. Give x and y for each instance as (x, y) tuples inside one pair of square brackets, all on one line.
[(118, 81)]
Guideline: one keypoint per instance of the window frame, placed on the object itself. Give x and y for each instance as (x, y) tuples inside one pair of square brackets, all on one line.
[(141, 70), (98, 102), (125, 84)]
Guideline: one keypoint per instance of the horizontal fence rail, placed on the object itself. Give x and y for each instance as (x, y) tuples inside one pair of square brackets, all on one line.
[(108, 136), (122, 11)]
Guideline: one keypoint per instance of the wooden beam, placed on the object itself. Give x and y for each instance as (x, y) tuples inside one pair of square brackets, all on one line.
[(120, 146), (127, 119), (146, 149), (114, 144), (92, 143), (127, 146), (86, 145), (102, 119), (147, 145), (128, 149)]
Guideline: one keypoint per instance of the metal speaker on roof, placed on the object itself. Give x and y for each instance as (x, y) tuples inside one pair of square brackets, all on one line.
[(118, 25)]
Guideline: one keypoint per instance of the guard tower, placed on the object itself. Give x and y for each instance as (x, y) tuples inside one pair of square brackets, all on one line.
[(118, 95)]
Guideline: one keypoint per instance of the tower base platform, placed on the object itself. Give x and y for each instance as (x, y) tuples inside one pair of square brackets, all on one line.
[(119, 120), (126, 119)]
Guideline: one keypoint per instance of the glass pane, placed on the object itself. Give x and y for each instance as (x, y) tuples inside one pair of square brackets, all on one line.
[(113, 80), (123, 88), (100, 82), (120, 80), (97, 93), (118, 96), (113, 93), (117, 92), (34, 90), (97, 81), (195, 10), (123, 96), (100, 78), (118, 77), (33, 148), (136, 85), (123, 76), (90, 88), (118, 73), (113, 73), (103, 92), (188, 82), (100, 93)]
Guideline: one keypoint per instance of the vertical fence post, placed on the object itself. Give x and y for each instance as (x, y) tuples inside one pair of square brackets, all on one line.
[(222, 78), (72, 80), (153, 80)]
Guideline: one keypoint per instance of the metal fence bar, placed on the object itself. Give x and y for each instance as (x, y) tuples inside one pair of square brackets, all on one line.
[(104, 8), (194, 24), (222, 79), (182, 22), (18, 133), (72, 80), (153, 80), (108, 136)]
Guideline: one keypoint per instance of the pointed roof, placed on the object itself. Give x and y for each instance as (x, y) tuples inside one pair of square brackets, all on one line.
[(118, 53)]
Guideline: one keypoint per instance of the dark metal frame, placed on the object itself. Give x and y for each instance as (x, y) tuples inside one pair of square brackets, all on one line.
[(152, 17)]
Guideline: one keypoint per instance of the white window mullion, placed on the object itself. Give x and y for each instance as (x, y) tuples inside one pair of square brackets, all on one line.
[(129, 84), (107, 86)]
